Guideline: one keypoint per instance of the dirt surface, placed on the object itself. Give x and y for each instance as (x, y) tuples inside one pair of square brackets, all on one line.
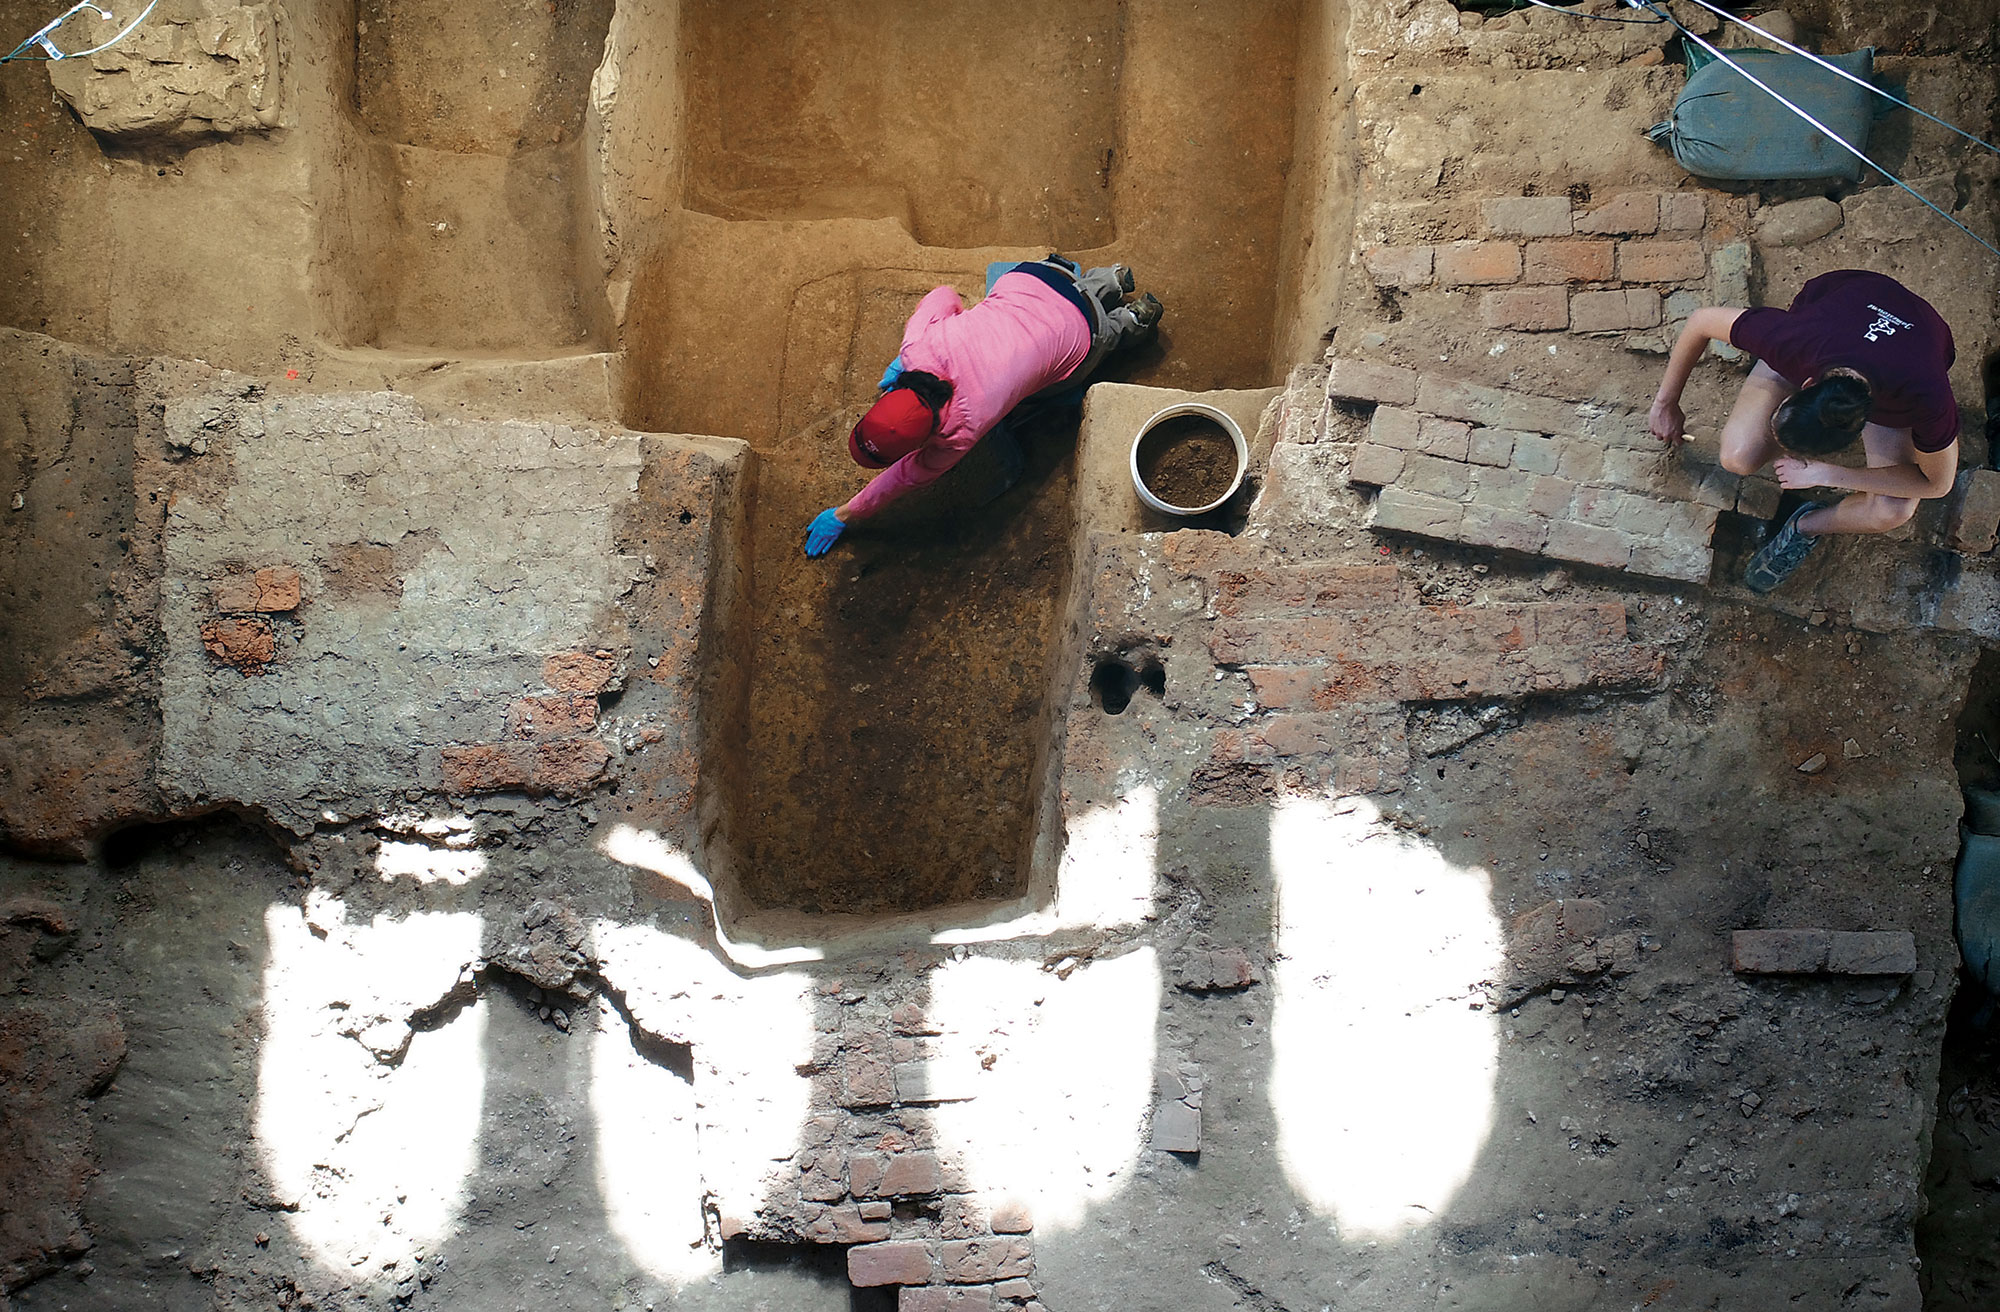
[(1188, 461)]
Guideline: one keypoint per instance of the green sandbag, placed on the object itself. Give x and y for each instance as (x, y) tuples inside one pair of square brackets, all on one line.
[(1978, 898), (1725, 126)]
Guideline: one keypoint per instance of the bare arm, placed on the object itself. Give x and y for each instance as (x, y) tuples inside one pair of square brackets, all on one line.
[(1931, 476), (1711, 323)]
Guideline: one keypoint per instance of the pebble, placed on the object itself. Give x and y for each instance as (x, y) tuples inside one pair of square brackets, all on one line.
[(1813, 764)]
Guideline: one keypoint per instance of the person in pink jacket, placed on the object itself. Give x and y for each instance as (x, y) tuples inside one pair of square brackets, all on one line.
[(962, 371)]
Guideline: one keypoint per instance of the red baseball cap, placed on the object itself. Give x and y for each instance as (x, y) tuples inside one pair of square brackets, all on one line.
[(894, 426)]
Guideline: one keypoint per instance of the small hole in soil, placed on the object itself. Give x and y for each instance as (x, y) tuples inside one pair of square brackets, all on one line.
[(134, 843), (1115, 681)]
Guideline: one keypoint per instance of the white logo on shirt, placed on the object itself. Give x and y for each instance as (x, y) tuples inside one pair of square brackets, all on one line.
[(1885, 325)]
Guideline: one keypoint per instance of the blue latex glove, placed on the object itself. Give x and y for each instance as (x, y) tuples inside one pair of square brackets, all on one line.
[(823, 532), (891, 374)]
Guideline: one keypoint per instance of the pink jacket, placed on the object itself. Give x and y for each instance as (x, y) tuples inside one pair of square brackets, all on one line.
[(1017, 341)]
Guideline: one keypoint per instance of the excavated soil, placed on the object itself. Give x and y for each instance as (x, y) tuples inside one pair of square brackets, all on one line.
[(1188, 461)]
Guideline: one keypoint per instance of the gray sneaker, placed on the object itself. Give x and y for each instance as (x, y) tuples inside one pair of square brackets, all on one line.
[(1785, 552)]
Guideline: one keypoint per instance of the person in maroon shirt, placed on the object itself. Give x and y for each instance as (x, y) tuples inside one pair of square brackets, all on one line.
[(1857, 354)]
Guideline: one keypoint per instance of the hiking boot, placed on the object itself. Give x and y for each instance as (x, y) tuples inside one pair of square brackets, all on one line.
[(1148, 311), (1125, 280), (1785, 552)]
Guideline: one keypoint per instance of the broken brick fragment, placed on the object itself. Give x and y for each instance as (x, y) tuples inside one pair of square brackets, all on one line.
[(579, 671), (556, 716), (487, 767), (242, 642), (568, 766)]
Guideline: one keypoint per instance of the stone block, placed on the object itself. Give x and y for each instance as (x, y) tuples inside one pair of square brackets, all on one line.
[(579, 671), (189, 71), (1445, 438), (1360, 380), (1400, 510), (487, 767), (1729, 276), (1581, 460), (1478, 263), (1633, 212), (1589, 544), (976, 1261), (1616, 311), (1503, 489), (1508, 530), (1646, 517), (553, 716), (1526, 309), (1568, 261), (1779, 951), (1682, 211), (1176, 1127), (1796, 222), (1396, 427), (1496, 407), (1661, 261), (1491, 446), (1975, 521), (1399, 266), (1680, 561), (1536, 454), (1527, 216), (1758, 497), (1881, 952), (901, 1262), (1432, 476), (1374, 464), (1551, 497)]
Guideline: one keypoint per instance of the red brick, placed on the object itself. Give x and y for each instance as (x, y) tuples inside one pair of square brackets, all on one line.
[(579, 671), (1446, 438), (1306, 587), (1882, 952), (552, 717), (1478, 263), (1634, 211), (1399, 266), (568, 766), (1661, 261), (1283, 688), (1568, 261), (1681, 211), (939, 1298), (1778, 951), (843, 1225), (896, 1263), (245, 643), (1526, 309), (487, 767), (1598, 312), (1528, 216), (1360, 380), (974, 1261), (1395, 427), (1015, 1289), (901, 1175), (1012, 1217), (271, 590), (1280, 642)]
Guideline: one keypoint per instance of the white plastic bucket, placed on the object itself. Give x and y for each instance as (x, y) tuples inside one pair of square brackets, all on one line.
[(1206, 412)]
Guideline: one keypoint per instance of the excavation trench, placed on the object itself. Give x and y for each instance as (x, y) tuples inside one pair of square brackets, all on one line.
[(887, 717)]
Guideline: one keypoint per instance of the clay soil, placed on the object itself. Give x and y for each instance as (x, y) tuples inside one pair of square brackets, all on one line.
[(1188, 461)]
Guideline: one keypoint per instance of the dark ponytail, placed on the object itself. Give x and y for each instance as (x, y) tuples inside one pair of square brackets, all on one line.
[(932, 390), (1826, 416)]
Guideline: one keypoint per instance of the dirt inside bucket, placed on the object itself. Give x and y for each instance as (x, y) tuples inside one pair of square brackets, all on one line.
[(1188, 461)]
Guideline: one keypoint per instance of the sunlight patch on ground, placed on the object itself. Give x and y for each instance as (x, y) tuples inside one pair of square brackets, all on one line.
[(1383, 1078), (648, 1170), (1056, 1119), (749, 1037), (426, 864), (367, 1128)]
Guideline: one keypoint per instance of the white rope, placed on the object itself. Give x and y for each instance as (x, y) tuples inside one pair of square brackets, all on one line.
[(1832, 67), (1829, 133), (45, 38)]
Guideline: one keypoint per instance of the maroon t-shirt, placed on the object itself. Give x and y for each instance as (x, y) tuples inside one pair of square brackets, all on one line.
[(1874, 325)]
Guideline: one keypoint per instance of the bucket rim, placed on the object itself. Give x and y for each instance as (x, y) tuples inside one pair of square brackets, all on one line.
[(1206, 411)]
